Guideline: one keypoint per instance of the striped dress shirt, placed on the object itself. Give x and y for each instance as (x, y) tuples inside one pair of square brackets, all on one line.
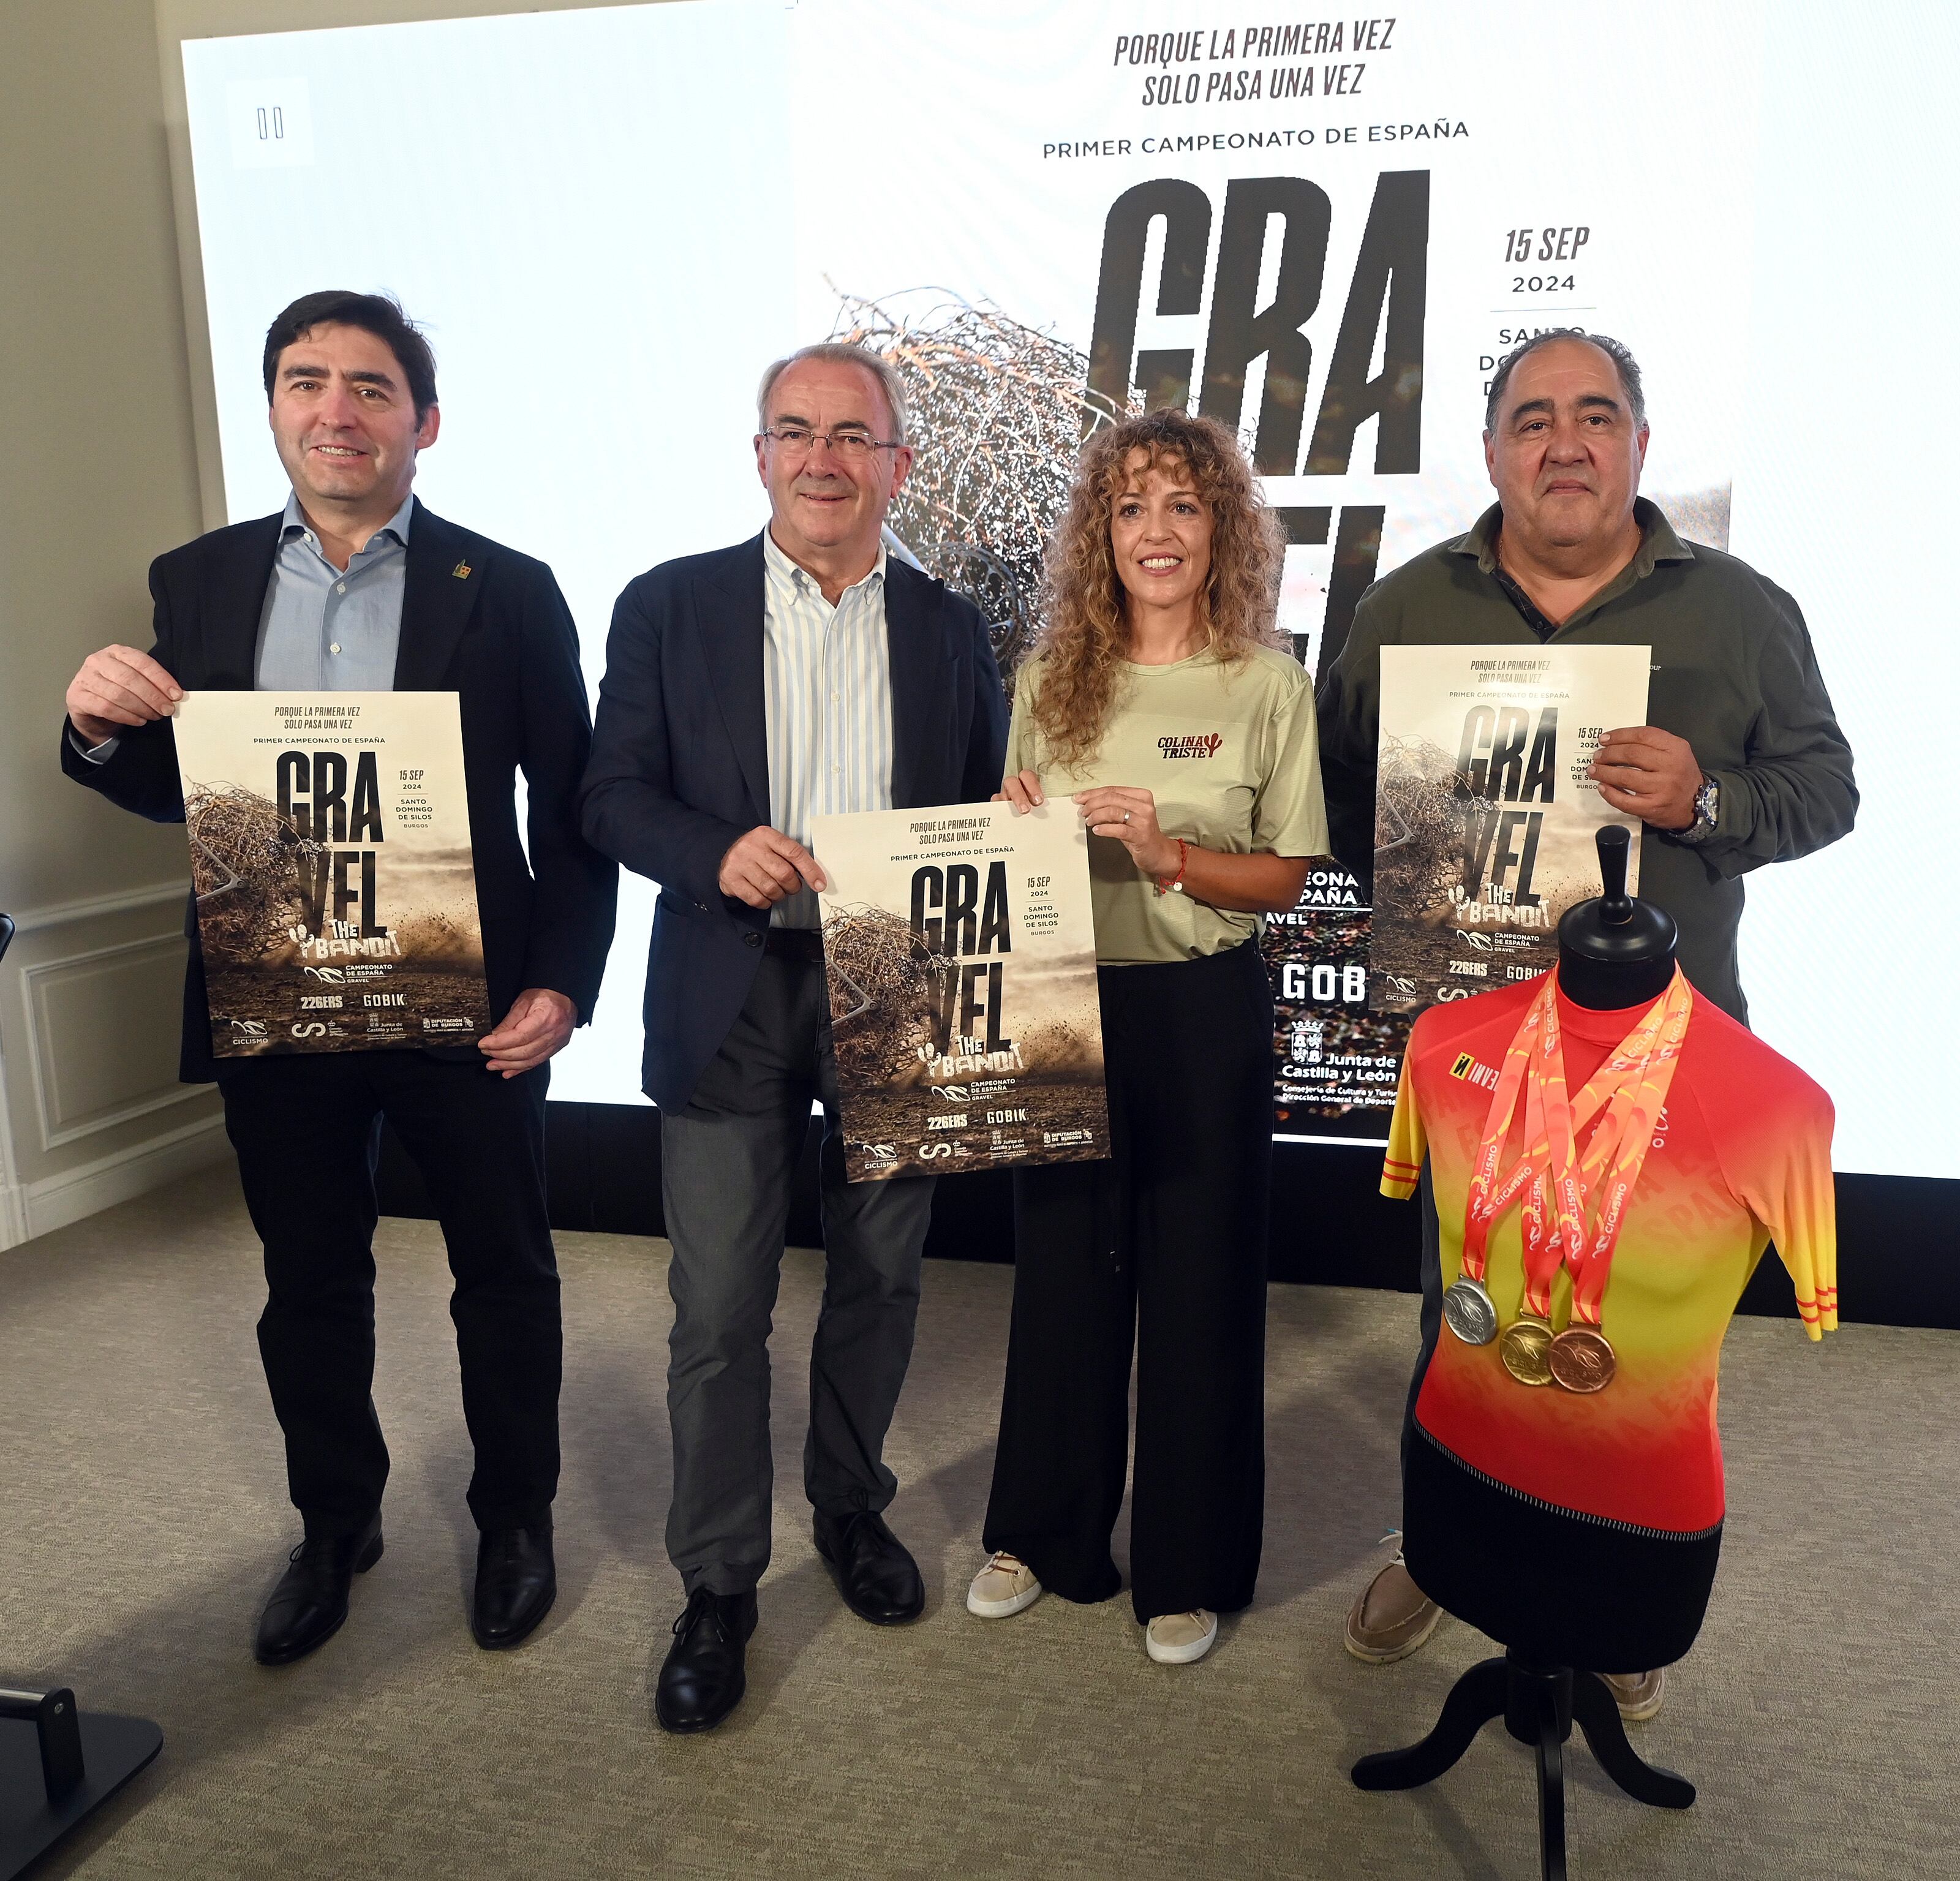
[(826, 702)]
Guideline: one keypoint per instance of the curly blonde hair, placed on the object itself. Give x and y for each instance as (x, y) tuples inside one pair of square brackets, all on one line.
[(1087, 635)]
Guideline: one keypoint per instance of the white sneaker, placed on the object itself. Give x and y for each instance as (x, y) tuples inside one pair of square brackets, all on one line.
[(1176, 1639), (1005, 1585)]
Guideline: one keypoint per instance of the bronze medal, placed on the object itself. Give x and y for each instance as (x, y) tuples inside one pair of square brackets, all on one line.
[(1523, 1348), (1467, 1308), (1581, 1359)]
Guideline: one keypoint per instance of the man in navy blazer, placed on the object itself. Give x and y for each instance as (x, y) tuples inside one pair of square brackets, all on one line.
[(801, 673), (357, 585)]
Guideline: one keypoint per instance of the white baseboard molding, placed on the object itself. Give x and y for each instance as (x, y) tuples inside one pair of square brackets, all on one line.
[(39, 1207)]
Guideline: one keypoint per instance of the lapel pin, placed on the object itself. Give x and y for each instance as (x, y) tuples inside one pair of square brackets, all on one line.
[(461, 571)]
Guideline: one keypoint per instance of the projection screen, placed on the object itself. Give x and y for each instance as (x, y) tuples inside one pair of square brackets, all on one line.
[(1323, 230)]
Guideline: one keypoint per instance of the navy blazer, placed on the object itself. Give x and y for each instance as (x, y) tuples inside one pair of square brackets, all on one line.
[(477, 619), (679, 768)]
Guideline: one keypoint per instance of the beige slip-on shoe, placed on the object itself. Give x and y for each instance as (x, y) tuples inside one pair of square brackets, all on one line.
[(1005, 1585), (1177, 1639), (1392, 1618), (1637, 1693)]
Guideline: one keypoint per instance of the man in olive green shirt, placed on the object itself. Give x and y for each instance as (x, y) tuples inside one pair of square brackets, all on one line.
[(1741, 763)]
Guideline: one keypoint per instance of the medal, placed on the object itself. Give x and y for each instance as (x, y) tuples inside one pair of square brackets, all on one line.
[(1523, 1349), (1469, 1313), (1580, 1359)]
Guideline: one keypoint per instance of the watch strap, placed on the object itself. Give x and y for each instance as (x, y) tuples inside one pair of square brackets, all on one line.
[(1708, 812)]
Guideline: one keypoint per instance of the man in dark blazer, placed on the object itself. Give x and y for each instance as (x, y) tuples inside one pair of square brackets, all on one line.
[(358, 587), (803, 672)]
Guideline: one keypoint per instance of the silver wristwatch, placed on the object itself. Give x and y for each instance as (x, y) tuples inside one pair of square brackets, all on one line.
[(1707, 807)]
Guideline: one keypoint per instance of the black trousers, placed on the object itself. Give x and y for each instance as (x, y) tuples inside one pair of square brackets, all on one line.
[(1162, 1248), (307, 1131)]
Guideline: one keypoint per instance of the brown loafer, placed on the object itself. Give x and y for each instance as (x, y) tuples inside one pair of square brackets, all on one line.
[(1637, 1693), (1392, 1618)]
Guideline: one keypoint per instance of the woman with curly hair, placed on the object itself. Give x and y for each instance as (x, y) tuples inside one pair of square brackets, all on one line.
[(1158, 699)]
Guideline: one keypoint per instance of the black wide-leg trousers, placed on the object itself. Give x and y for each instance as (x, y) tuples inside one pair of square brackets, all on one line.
[(1161, 1248), (308, 1132)]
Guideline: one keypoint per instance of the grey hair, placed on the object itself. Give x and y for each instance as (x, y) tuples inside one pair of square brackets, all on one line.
[(844, 353), (1624, 363)]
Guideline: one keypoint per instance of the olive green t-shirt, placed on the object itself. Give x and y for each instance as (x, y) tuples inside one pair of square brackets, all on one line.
[(1231, 756)]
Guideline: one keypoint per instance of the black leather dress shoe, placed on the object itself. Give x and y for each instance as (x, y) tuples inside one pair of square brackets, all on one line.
[(702, 1678), (876, 1573), (309, 1603), (516, 1581)]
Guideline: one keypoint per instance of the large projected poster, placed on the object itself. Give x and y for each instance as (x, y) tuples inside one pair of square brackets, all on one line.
[(1323, 231)]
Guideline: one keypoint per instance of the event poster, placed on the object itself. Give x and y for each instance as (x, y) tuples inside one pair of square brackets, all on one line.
[(960, 950), (330, 856), (1485, 816)]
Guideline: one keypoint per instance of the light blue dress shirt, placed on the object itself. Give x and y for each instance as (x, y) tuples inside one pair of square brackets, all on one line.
[(327, 631)]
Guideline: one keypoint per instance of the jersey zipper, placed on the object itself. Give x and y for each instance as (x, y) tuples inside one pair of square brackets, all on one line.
[(1554, 1508)]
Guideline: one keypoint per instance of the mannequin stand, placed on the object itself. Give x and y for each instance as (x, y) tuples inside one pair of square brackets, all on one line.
[(57, 1767), (1537, 1704)]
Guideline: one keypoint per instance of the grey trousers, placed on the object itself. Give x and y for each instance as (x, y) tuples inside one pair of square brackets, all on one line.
[(727, 1163)]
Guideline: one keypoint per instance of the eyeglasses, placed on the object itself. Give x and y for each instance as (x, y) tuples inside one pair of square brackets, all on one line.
[(796, 440)]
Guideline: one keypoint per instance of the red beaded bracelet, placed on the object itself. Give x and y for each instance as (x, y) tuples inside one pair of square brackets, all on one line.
[(1175, 884)]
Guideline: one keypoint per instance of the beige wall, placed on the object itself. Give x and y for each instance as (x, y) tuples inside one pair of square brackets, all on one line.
[(101, 476), (112, 460)]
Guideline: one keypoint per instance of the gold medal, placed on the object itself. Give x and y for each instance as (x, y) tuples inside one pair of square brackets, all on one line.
[(1581, 1359), (1523, 1348)]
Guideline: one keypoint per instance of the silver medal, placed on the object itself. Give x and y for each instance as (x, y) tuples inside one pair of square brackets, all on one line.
[(1468, 1309)]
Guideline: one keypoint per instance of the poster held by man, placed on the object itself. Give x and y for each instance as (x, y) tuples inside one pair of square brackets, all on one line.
[(331, 859), (960, 951), (1484, 811)]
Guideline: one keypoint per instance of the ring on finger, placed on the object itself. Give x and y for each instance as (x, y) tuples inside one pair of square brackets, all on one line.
[(1126, 816)]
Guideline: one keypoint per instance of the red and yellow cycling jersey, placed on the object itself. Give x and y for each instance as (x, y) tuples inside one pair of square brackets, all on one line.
[(1740, 1156)]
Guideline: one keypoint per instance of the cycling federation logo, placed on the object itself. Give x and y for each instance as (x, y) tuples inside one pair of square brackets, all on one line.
[(1190, 744)]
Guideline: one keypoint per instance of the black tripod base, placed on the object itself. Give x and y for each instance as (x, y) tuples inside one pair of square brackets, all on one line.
[(34, 1813), (1539, 1705)]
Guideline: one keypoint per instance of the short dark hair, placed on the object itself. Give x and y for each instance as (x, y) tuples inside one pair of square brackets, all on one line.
[(379, 314), (1624, 363)]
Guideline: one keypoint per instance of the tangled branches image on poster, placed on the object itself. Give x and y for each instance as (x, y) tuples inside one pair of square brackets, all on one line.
[(998, 412), (335, 911), (963, 1008), (246, 865)]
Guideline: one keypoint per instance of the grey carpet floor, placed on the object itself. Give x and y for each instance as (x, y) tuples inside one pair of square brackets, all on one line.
[(143, 1518)]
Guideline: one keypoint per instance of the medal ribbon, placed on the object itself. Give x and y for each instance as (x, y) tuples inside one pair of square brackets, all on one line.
[(1619, 1150), (1551, 1127), (1630, 1086), (1486, 1200)]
